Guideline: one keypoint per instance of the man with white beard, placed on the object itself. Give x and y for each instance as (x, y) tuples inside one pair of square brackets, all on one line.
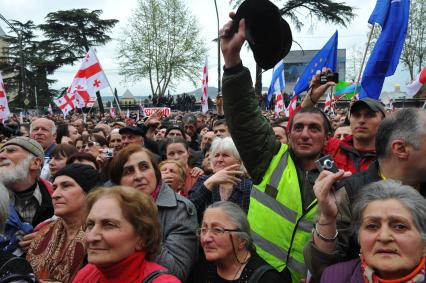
[(21, 160)]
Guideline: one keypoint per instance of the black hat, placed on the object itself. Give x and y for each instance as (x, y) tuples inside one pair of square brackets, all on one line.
[(372, 104), (86, 176), (132, 129), (267, 33)]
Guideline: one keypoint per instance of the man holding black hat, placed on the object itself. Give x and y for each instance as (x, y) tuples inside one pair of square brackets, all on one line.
[(282, 202)]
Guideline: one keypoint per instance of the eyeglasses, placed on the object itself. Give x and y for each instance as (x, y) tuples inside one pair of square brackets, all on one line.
[(90, 144), (216, 231)]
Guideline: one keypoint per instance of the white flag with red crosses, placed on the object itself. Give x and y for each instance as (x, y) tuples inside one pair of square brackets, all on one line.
[(4, 106), (65, 103), (89, 79), (279, 104)]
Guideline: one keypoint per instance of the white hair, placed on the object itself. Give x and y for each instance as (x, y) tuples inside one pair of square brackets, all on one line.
[(4, 206)]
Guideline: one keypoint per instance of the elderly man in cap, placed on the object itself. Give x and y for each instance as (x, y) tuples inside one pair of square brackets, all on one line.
[(357, 151), (21, 160), (131, 135)]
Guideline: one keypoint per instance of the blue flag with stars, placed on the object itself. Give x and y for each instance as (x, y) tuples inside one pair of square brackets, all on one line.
[(326, 57), (393, 17)]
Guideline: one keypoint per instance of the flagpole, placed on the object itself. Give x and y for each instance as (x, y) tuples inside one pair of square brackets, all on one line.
[(110, 87), (363, 59)]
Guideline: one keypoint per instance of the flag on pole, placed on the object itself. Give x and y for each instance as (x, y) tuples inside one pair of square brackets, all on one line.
[(392, 16), (65, 103), (279, 104), (112, 111), (49, 109), (4, 106), (328, 106), (414, 87), (345, 89), (292, 106), (204, 99), (326, 57), (277, 83)]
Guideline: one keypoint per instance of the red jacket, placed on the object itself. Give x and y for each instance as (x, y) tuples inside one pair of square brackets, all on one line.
[(134, 268), (347, 157)]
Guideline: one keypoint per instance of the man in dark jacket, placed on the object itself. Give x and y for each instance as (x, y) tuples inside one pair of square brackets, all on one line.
[(21, 160), (401, 151)]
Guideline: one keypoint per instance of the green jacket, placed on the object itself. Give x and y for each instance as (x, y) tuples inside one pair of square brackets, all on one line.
[(252, 133)]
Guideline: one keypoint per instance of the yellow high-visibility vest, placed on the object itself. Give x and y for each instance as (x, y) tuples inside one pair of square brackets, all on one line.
[(280, 227)]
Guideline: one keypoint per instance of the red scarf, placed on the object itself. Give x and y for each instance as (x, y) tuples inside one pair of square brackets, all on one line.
[(417, 275), (128, 270)]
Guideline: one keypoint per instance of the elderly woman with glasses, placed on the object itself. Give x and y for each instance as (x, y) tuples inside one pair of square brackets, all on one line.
[(389, 220), (228, 248)]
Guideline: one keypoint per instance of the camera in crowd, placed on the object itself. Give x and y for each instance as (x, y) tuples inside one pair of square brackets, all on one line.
[(326, 163), (9, 130), (329, 77)]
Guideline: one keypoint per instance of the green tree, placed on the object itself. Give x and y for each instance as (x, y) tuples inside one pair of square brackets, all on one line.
[(414, 52), (328, 11), (36, 64), (78, 30), (162, 43)]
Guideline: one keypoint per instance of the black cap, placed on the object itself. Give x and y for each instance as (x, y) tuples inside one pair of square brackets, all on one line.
[(132, 129), (267, 33), (372, 104), (86, 176)]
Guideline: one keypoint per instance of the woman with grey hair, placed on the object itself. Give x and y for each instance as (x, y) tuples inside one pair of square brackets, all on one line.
[(228, 248), (389, 220), (228, 181)]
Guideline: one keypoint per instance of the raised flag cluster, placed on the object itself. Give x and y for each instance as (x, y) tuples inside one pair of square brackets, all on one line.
[(205, 84), (89, 79), (4, 106)]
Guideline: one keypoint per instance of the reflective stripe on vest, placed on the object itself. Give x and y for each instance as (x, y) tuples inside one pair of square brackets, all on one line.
[(277, 219)]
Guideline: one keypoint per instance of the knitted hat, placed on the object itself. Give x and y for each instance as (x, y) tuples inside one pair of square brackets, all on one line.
[(86, 176), (28, 144)]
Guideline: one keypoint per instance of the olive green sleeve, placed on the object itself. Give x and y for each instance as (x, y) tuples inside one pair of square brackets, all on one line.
[(252, 133)]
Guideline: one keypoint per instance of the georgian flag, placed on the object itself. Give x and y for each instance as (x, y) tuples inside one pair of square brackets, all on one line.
[(290, 111), (89, 79), (204, 98), (279, 104), (65, 103), (328, 106), (4, 106), (83, 99)]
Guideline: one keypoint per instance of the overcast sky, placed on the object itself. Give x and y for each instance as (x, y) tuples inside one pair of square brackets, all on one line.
[(314, 36)]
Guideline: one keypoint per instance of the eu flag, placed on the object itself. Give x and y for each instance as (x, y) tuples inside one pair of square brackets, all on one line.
[(393, 16), (326, 57)]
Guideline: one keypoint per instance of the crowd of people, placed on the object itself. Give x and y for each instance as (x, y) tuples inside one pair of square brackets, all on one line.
[(232, 195)]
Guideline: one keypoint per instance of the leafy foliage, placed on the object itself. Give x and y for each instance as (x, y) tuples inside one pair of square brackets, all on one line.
[(161, 43)]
